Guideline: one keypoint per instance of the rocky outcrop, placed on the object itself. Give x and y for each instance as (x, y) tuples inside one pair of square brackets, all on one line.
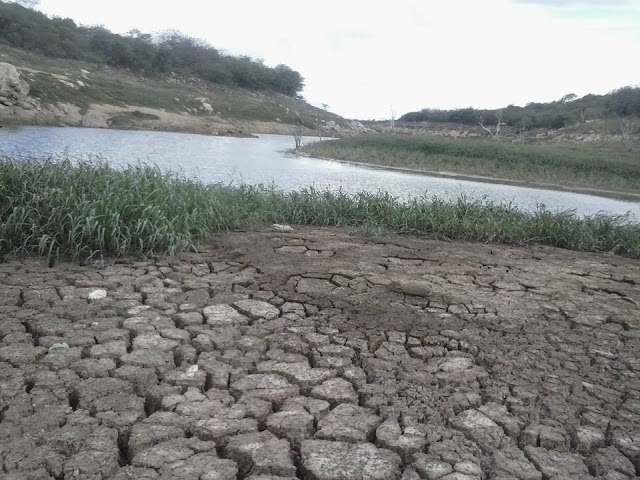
[(14, 91)]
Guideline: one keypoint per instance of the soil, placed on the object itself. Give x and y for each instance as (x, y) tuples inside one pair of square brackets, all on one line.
[(322, 356)]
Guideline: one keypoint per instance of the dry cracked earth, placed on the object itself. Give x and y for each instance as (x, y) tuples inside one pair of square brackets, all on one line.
[(320, 356)]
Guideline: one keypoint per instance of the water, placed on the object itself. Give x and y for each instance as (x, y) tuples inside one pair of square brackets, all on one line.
[(263, 160)]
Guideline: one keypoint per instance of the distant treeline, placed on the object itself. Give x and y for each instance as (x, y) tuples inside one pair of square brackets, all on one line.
[(569, 110), (27, 29)]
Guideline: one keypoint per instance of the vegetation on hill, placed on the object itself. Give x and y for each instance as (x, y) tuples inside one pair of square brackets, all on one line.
[(89, 210), (169, 52), (569, 110), (576, 165)]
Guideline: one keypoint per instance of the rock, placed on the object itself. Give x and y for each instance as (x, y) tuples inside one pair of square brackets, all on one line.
[(315, 286), (348, 423), (323, 460), (162, 454), (499, 414), (511, 463), (261, 453), (12, 87), (299, 373), (315, 407), (545, 436), (468, 468), (273, 388), (146, 434), (628, 443), (153, 342), (607, 460), (200, 465), (389, 435), (91, 389), (135, 473), (335, 391), (459, 476), (480, 428), (224, 470), (258, 309), (220, 429), (418, 288), (19, 354), (219, 315), (293, 425), (552, 463), (431, 469), (588, 438), (98, 294), (453, 364), (58, 346), (281, 228)]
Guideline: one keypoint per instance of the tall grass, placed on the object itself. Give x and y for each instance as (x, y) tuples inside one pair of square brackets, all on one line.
[(583, 166), (90, 209)]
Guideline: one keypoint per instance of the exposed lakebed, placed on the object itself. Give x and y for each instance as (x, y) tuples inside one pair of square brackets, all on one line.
[(265, 161)]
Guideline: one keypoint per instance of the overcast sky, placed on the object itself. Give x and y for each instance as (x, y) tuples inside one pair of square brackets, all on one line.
[(366, 57)]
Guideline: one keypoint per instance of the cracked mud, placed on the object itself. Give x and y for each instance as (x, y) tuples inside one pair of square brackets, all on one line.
[(320, 356)]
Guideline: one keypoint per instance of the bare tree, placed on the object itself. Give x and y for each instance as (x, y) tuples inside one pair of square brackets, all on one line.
[(495, 135), (297, 137), (626, 129), (325, 106), (392, 122)]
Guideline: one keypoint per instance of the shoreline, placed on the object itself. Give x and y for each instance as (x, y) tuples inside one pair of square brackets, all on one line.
[(612, 194)]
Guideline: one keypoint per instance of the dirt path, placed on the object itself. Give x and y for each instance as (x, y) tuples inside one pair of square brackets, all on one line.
[(316, 355)]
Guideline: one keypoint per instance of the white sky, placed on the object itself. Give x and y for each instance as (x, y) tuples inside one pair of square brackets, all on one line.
[(365, 57)]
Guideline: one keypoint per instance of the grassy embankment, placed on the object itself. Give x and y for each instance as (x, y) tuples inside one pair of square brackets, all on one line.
[(89, 210), (574, 166), (124, 92)]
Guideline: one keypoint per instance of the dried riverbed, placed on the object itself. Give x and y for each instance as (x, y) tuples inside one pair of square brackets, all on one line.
[(318, 355)]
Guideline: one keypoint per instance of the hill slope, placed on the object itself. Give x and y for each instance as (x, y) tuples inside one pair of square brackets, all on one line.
[(50, 91)]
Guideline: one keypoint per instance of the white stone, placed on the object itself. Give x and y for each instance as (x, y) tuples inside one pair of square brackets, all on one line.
[(98, 294), (281, 228)]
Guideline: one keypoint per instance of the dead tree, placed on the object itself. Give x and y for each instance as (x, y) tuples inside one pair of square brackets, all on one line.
[(297, 137), (495, 135)]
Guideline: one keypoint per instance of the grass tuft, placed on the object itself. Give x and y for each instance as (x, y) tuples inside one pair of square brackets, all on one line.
[(88, 209)]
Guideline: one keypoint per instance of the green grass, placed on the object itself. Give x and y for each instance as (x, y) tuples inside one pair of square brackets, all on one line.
[(581, 166), (87, 210)]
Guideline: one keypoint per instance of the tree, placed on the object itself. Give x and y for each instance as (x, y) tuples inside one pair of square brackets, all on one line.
[(287, 81), (624, 102), (26, 3), (569, 97), (496, 134)]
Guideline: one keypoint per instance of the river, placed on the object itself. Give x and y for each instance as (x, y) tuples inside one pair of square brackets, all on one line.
[(264, 161)]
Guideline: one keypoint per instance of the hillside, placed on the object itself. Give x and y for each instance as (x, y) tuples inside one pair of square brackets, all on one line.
[(49, 91), (55, 72), (595, 119)]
